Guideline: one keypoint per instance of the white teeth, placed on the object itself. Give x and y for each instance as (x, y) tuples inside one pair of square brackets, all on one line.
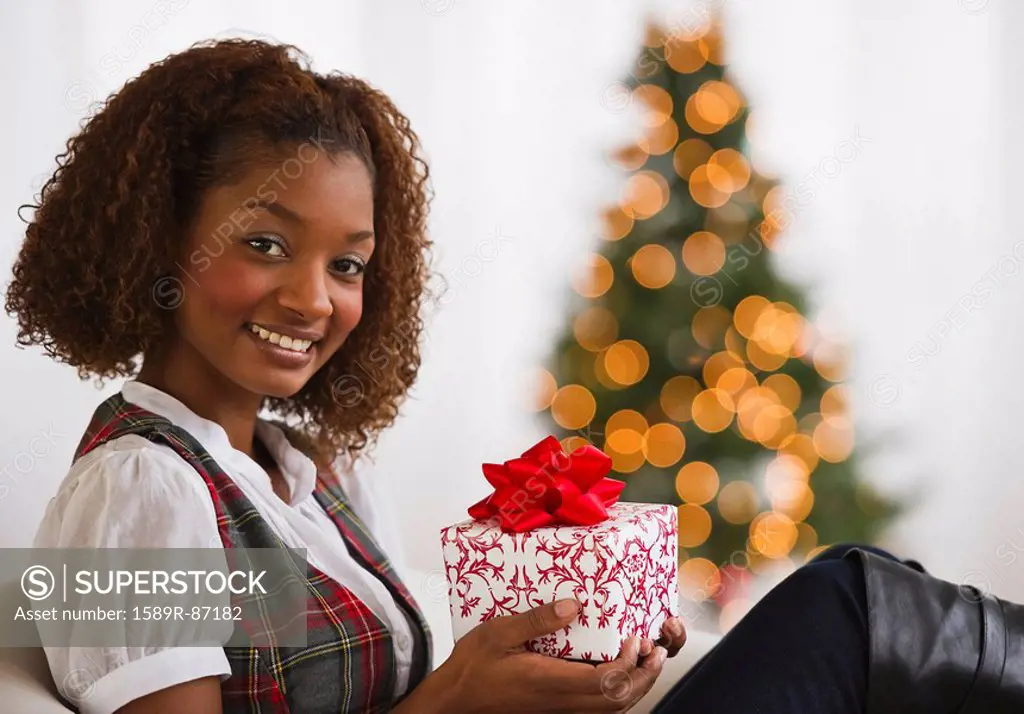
[(289, 343)]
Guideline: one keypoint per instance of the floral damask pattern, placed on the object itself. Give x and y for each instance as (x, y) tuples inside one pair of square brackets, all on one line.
[(623, 572)]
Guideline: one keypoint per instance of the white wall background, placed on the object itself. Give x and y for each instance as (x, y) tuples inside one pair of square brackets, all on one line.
[(507, 100)]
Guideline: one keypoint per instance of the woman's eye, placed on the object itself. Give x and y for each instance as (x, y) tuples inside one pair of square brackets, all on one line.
[(266, 246), (350, 267)]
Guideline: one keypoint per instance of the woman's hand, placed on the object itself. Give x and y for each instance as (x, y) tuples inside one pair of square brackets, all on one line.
[(673, 635), (490, 671)]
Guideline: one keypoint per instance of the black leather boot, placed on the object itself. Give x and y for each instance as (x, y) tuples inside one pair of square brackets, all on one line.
[(937, 647)]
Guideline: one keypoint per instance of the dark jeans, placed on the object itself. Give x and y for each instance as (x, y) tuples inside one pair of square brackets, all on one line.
[(803, 649)]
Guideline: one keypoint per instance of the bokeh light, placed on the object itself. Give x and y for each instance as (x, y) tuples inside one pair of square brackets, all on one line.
[(630, 157), (735, 343), (787, 484), (763, 359), (786, 388), (711, 46), (715, 104), (802, 447), (595, 328), (830, 361), (835, 402), (773, 535), (573, 406), (595, 277), (677, 397), (805, 344), (697, 483), (660, 139), (749, 407), (658, 104), (544, 389), (728, 171), (571, 443), (626, 362), (694, 525), (696, 120), (653, 266), (717, 365), (713, 410), (617, 223), (685, 56), (646, 194), (703, 191), (624, 463), (797, 504), (746, 313), (624, 434), (736, 381), (699, 579), (663, 445), (773, 201), (690, 154), (737, 502), (624, 431), (833, 439), (703, 253), (807, 538), (709, 325), (777, 329), (773, 424)]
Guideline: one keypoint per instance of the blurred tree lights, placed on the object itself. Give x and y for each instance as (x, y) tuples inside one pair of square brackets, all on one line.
[(687, 358)]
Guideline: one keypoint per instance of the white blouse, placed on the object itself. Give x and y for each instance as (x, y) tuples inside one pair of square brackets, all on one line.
[(133, 493)]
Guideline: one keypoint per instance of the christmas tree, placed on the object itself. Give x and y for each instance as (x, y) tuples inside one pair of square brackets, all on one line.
[(688, 359)]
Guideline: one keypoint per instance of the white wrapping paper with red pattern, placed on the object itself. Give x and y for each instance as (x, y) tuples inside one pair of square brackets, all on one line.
[(622, 570)]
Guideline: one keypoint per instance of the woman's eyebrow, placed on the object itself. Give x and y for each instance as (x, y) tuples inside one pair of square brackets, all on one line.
[(283, 212), (277, 209), (360, 236)]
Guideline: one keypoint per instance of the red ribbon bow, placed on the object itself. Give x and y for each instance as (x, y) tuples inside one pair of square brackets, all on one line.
[(545, 486)]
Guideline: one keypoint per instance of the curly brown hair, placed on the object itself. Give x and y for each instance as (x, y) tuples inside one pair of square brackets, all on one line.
[(110, 222)]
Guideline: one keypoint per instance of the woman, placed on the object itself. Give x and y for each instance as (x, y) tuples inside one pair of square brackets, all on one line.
[(235, 232), (238, 235)]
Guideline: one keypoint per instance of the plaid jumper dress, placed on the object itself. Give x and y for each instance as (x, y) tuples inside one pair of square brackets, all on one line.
[(348, 663)]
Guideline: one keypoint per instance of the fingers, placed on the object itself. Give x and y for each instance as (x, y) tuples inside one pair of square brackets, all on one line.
[(511, 631), (652, 666), (673, 636), (622, 682), (613, 686), (630, 652)]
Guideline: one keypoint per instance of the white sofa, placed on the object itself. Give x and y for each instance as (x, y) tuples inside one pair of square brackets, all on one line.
[(26, 686)]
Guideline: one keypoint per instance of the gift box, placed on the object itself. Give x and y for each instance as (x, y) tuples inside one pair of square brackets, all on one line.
[(554, 529)]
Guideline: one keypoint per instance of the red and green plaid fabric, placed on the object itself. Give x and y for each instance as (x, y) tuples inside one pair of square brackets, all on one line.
[(348, 663)]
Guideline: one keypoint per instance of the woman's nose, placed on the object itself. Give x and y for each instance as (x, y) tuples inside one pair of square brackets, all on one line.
[(306, 292)]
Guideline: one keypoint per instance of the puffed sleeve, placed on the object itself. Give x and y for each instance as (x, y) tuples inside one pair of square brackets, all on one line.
[(129, 493)]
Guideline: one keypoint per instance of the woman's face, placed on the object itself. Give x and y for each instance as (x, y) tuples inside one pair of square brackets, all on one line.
[(272, 278)]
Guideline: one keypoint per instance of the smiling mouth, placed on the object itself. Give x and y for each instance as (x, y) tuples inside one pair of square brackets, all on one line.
[(284, 341)]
